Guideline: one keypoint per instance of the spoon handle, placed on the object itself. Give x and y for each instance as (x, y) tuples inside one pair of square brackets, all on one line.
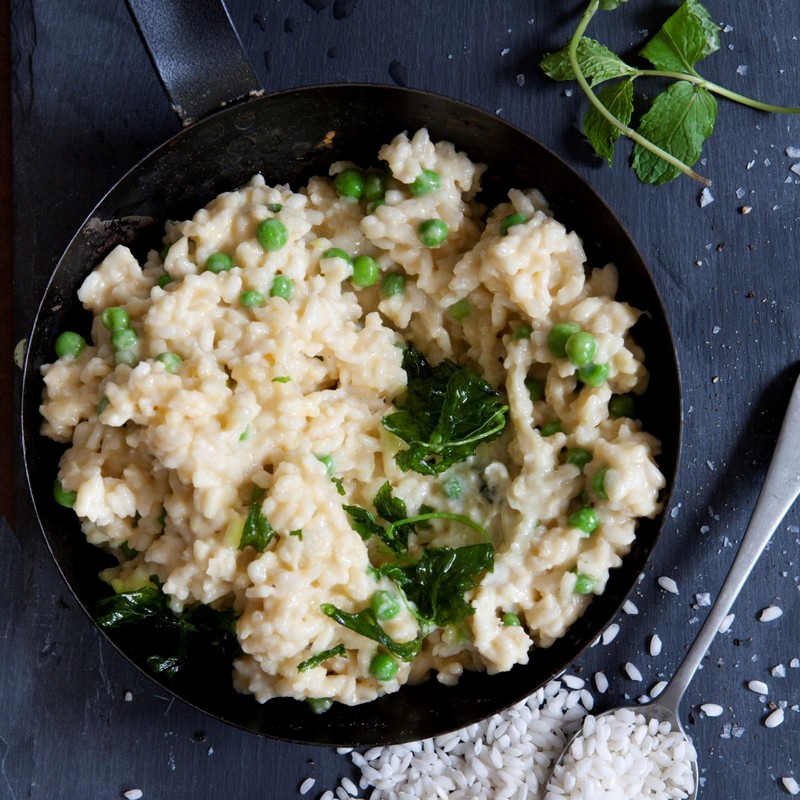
[(780, 490)]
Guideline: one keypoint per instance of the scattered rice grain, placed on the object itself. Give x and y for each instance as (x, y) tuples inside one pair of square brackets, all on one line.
[(726, 623), (712, 709), (759, 687), (133, 794), (774, 719), (630, 608), (770, 613), (307, 785), (655, 645), (668, 584), (610, 633), (632, 671), (791, 785)]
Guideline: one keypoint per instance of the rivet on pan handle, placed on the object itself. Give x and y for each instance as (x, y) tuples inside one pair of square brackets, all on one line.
[(197, 54)]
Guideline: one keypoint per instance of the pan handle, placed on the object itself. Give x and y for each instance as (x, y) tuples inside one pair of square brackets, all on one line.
[(197, 54)]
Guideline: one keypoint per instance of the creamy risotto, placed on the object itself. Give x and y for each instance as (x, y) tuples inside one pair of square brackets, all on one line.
[(265, 402)]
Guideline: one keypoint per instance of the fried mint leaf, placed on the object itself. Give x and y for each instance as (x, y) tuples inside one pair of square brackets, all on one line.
[(444, 414), (321, 658), (679, 121), (393, 509), (366, 623), (596, 62), (257, 532), (437, 582), (687, 37), (602, 135)]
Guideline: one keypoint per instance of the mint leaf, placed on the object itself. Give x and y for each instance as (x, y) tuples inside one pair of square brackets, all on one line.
[(687, 37), (679, 121), (596, 62), (366, 623), (602, 135), (321, 658)]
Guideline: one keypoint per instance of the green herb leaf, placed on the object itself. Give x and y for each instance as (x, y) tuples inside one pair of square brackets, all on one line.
[(337, 482), (257, 532), (679, 121), (366, 623), (191, 637), (321, 658), (444, 414), (393, 510), (596, 62), (687, 37), (602, 135), (363, 522), (437, 582)]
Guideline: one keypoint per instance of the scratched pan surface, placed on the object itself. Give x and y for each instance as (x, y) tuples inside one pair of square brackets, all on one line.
[(288, 137)]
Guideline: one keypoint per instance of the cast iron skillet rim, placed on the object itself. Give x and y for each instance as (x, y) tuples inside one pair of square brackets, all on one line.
[(30, 382)]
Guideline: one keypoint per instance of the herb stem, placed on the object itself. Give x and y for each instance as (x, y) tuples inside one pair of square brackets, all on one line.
[(591, 10), (464, 520), (698, 80)]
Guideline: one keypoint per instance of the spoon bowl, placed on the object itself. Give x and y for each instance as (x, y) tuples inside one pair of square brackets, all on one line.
[(781, 488)]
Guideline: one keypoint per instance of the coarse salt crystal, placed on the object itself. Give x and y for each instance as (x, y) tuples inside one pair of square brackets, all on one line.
[(668, 584), (133, 794), (703, 599), (128, 697), (610, 633), (791, 785), (632, 671), (307, 785), (759, 687), (793, 152), (741, 69), (655, 645), (711, 709), (795, 168), (726, 623), (778, 671), (794, 663), (706, 198), (774, 719), (770, 613), (630, 608)]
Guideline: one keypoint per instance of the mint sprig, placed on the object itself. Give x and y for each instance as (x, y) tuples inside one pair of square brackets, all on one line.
[(670, 135)]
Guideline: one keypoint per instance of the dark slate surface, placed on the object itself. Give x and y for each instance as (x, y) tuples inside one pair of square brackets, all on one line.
[(87, 105)]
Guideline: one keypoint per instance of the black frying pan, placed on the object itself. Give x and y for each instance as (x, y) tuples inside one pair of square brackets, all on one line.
[(287, 137)]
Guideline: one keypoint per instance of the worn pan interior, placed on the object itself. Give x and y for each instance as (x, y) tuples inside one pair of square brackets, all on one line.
[(288, 137)]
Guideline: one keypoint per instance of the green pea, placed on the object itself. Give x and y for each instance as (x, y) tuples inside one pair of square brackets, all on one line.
[(319, 705), (272, 234), (383, 666), (460, 310), (251, 299), (510, 221), (350, 183), (164, 252), (373, 204), (581, 348), (219, 262), (274, 207), (126, 357), (594, 374), (455, 634), (622, 405), (124, 339), (452, 488), (584, 584), (557, 338), (599, 483), (171, 361), (337, 252), (384, 604), (523, 332), (164, 280), (365, 271), (394, 283), (374, 186), (281, 287), (426, 181), (328, 462), (549, 428), (102, 405), (511, 620), (535, 389), (69, 345), (584, 519), (432, 232), (115, 318), (62, 496), (579, 457)]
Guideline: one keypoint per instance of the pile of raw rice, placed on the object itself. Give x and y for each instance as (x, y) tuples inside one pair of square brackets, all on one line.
[(510, 756)]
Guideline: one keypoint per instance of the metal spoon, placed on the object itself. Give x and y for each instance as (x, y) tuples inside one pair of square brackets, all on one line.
[(780, 490)]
